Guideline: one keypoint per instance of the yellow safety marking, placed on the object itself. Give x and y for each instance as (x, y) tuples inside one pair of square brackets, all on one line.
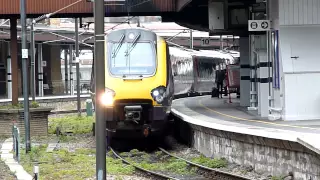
[(251, 120)]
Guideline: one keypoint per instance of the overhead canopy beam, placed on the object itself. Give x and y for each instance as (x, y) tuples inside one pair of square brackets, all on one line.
[(71, 39)]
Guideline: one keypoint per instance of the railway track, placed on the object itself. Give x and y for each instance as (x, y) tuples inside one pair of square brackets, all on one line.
[(156, 174), (217, 173)]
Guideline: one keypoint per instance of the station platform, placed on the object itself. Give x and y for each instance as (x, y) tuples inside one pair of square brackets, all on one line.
[(219, 114)]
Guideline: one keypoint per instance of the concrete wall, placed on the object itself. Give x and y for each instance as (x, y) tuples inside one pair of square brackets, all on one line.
[(266, 156)]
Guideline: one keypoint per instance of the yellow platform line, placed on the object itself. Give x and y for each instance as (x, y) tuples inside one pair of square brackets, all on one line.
[(251, 120)]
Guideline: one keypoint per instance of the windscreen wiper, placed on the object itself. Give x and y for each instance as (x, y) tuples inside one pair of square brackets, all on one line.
[(134, 42), (115, 52)]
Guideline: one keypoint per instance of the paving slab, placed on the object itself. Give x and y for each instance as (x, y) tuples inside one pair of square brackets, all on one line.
[(13, 165)]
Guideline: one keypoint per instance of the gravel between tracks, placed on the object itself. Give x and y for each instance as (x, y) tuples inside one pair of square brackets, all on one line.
[(112, 177), (189, 153)]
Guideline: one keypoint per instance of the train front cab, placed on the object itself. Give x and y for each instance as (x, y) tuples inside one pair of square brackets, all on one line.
[(137, 104)]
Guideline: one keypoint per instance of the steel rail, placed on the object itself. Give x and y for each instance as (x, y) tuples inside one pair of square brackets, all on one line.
[(204, 167), (142, 169)]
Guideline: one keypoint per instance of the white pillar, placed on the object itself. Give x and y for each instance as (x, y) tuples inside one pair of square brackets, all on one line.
[(66, 76), (253, 75), (71, 73), (263, 85), (244, 72), (40, 70), (9, 76)]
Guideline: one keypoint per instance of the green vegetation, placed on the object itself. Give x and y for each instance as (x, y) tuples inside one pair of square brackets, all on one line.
[(158, 161), (5, 172), (76, 165), (62, 164), (212, 163), (33, 104), (74, 124), (277, 178), (18, 106), (155, 162), (170, 165)]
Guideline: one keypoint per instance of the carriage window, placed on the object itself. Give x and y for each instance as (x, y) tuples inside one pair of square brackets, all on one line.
[(140, 61)]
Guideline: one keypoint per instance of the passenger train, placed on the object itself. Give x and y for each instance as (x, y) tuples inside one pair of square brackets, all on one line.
[(142, 75)]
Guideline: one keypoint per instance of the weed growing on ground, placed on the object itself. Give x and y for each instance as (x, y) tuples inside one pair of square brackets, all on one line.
[(157, 162), (212, 163), (33, 104), (5, 172), (277, 178), (74, 124), (18, 106), (76, 165)]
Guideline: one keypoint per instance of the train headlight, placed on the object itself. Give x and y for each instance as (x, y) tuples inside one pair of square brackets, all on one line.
[(107, 97), (158, 94), (155, 93)]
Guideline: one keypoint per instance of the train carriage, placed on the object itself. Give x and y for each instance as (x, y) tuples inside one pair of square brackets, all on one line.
[(139, 83), (142, 75)]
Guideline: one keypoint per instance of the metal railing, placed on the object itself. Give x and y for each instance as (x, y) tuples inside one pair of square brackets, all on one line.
[(16, 142)]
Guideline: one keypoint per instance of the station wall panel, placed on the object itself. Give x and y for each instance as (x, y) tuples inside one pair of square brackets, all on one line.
[(299, 52), (299, 12)]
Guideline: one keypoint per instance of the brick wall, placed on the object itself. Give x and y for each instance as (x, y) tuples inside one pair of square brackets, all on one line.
[(271, 156), (38, 122)]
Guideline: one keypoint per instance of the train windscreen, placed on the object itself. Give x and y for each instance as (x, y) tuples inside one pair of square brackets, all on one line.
[(139, 59)]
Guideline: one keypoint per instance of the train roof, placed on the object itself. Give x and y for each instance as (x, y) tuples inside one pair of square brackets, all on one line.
[(122, 28)]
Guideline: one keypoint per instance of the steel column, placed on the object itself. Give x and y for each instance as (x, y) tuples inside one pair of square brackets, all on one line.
[(71, 73), (66, 76), (99, 70), (14, 60), (32, 73), (191, 40), (77, 66), (9, 74), (25, 74), (40, 70)]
